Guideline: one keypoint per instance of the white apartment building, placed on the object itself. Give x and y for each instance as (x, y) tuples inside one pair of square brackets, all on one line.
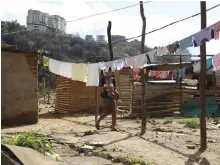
[(39, 21), (57, 22), (36, 20), (100, 38)]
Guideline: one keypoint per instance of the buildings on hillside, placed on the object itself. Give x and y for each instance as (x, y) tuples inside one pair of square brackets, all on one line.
[(101, 38), (39, 21), (116, 38), (89, 38)]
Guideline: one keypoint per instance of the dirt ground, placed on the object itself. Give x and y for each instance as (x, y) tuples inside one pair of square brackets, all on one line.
[(162, 144)]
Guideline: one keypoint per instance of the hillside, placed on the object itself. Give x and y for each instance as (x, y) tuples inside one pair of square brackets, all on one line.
[(65, 47)]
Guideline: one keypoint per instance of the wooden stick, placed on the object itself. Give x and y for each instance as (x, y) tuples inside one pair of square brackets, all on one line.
[(203, 135)]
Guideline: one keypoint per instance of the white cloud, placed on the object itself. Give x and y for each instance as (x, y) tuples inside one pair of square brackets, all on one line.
[(124, 25)]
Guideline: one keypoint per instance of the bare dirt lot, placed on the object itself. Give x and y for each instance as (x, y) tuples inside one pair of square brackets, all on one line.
[(163, 144)]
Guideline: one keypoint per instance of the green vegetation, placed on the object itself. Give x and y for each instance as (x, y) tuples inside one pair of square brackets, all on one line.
[(190, 123), (134, 160), (30, 140), (167, 120)]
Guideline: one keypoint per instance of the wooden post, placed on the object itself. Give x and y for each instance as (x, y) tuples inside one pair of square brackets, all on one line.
[(96, 96), (44, 90), (181, 77), (110, 40), (144, 117), (203, 136)]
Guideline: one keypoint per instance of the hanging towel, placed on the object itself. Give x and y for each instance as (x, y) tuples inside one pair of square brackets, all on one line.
[(209, 64), (217, 30), (129, 62), (186, 42), (65, 69), (203, 36), (79, 72), (216, 62), (54, 66), (140, 60), (119, 64), (93, 75)]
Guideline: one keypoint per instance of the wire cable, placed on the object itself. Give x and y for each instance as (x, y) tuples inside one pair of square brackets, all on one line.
[(141, 34), (107, 12), (165, 25)]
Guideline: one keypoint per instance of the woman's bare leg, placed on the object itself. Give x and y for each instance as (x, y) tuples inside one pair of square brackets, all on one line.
[(105, 113)]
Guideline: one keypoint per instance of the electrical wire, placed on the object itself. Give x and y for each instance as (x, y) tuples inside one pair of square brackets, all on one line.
[(126, 7), (165, 26), (141, 34), (107, 12)]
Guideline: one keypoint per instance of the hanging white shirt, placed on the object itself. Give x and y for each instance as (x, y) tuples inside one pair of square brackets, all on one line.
[(93, 75), (65, 69)]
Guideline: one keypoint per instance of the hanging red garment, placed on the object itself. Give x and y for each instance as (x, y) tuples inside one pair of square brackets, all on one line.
[(136, 73), (159, 75)]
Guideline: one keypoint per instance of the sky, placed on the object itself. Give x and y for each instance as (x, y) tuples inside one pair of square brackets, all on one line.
[(124, 22)]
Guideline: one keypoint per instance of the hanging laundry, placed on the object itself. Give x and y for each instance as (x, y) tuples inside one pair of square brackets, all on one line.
[(189, 70), (197, 67), (170, 75), (93, 75), (209, 64), (164, 74), (162, 51), (79, 72), (106, 65), (216, 62), (65, 69), (159, 75), (216, 30), (119, 64), (186, 42), (45, 61), (146, 72), (183, 72), (129, 62), (140, 60), (152, 55), (203, 36), (172, 48), (54, 66)]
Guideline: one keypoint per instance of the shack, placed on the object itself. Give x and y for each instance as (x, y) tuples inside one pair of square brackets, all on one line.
[(19, 86), (75, 96)]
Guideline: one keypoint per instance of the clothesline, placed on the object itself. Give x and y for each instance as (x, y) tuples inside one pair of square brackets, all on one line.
[(89, 73)]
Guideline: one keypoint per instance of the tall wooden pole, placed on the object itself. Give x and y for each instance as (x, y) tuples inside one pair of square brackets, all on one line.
[(110, 40), (144, 117), (203, 136)]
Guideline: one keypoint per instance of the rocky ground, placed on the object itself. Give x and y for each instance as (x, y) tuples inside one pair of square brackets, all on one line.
[(76, 140)]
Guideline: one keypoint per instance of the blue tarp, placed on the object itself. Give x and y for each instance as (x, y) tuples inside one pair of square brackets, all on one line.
[(192, 107)]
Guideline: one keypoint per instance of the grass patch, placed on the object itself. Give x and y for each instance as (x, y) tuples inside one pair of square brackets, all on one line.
[(30, 140), (134, 160), (190, 123), (167, 120)]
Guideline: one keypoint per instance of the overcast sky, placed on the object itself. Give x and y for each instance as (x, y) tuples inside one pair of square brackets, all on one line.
[(124, 22)]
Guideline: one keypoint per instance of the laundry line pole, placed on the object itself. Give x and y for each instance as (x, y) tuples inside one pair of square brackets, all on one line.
[(203, 135), (143, 110)]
